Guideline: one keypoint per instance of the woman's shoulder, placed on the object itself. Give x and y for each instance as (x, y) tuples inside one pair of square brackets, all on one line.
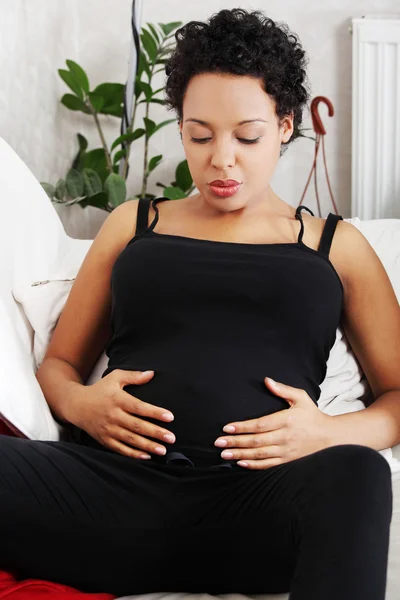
[(124, 219)]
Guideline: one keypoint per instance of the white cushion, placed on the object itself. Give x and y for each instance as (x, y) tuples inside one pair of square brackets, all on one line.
[(31, 236), (22, 405), (43, 299), (35, 250)]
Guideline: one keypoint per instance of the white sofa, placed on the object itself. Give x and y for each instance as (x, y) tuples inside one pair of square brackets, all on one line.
[(37, 268)]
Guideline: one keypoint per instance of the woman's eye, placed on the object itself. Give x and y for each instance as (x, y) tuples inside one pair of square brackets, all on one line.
[(242, 140), (200, 140), (245, 141)]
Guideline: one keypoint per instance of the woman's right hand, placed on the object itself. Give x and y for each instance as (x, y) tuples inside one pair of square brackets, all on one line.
[(115, 418)]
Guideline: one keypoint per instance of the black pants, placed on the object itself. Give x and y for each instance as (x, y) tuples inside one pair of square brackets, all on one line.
[(317, 526)]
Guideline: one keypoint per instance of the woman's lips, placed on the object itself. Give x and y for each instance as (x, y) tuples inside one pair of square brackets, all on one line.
[(225, 191)]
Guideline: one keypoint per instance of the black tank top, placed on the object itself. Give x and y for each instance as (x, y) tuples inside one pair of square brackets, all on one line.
[(212, 319)]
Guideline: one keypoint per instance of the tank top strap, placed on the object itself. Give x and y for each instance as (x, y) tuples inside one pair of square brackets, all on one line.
[(299, 217), (143, 214), (327, 234)]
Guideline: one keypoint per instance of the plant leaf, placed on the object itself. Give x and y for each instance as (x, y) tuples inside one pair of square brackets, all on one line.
[(83, 144), (149, 45), (79, 75), (166, 50), (183, 177), (92, 182), (169, 27), (96, 160), (152, 101), (115, 188), (163, 124), (82, 141), (77, 200), (161, 89), (154, 32), (118, 155), (72, 83), (48, 188), (113, 97), (128, 137), (116, 110), (97, 101), (74, 183), (174, 193), (143, 65), (148, 92), (150, 126), (100, 200), (138, 88), (61, 189), (74, 103), (154, 162)]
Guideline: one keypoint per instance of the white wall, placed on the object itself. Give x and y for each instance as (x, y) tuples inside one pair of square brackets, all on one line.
[(36, 38)]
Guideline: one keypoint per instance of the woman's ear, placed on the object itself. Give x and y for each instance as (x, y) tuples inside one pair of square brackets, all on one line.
[(287, 128)]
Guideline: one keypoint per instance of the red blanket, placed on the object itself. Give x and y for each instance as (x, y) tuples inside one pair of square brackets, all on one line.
[(35, 589)]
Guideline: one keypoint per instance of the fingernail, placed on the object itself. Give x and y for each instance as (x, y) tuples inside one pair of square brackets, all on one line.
[(169, 437), (144, 456), (229, 429), (242, 463), (221, 443), (227, 454), (168, 416), (160, 450), (272, 382)]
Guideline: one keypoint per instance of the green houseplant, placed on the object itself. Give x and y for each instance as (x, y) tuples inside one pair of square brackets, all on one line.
[(95, 177)]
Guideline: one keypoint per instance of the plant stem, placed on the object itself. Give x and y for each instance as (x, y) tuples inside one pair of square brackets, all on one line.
[(103, 140), (146, 143), (129, 130), (146, 151)]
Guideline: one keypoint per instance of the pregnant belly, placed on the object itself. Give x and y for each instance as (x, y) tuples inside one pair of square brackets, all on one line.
[(204, 401)]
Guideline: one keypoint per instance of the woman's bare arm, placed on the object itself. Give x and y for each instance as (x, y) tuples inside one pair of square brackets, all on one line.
[(83, 328)]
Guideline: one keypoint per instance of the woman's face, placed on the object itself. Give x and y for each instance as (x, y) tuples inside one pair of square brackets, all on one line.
[(230, 131)]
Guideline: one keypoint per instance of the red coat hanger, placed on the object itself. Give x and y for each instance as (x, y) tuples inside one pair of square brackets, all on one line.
[(320, 132)]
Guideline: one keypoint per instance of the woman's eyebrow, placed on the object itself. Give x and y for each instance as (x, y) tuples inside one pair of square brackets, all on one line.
[(240, 123)]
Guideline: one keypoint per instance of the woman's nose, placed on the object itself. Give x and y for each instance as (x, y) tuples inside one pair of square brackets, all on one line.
[(223, 156)]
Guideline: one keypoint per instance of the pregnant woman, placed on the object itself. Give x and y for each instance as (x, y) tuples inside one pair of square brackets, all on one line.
[(186, 468)]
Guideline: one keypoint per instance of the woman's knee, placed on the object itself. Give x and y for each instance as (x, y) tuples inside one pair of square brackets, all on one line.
[(359, 472), (357, 459)]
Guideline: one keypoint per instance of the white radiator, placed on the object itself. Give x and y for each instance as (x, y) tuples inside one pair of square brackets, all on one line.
[(376, 118)]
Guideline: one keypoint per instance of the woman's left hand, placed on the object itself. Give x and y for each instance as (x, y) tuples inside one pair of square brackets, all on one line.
[(281, 436)]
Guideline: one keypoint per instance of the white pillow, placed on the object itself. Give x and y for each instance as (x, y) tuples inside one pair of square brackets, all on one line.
[(34, 248), (22, 404), (32, 238), (43, 299), (42, 261)]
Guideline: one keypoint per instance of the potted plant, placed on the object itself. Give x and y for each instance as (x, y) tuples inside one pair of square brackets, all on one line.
[(97, 177)]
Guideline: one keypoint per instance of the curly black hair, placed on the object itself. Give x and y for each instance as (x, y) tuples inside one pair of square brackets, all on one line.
[(241, 42)]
